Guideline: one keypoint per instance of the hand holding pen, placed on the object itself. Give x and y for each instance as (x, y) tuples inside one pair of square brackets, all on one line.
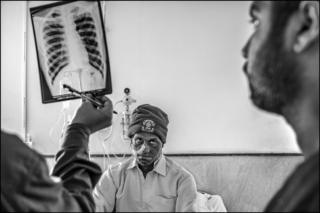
[(87, 97), (93, 118)]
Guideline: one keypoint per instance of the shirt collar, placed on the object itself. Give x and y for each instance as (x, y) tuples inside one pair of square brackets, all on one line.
[(133, 163), (160, 165)]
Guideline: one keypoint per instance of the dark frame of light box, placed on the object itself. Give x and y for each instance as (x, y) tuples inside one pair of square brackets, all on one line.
[(46, 95)]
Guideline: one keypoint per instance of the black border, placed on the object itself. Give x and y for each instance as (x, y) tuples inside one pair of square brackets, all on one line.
[(46, 95)]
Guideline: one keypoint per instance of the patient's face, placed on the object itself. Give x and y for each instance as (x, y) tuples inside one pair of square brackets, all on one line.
[(146, 147)]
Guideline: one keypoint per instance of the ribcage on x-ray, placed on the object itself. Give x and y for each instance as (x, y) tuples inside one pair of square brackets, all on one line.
[(85, 27), (54, 35)]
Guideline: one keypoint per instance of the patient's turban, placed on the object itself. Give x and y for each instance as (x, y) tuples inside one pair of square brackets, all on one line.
[(151, 119)]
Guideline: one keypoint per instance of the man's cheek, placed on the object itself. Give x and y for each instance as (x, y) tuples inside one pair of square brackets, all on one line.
[(134, 152)]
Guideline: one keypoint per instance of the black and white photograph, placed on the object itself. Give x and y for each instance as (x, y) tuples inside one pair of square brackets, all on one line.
[(159, 106)]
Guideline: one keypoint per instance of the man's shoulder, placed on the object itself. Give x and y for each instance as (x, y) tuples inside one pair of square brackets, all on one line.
[(13, 140), (303, 183), (18, 160), (309, 164), (175, 167), (12, 147), (306, 174), (121, 166)]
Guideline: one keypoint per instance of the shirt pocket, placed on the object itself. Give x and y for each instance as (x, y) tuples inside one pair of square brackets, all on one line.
[(160, 203)]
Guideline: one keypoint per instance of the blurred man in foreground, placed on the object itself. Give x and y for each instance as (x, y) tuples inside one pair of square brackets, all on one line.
[(26, 185), (283, 72)]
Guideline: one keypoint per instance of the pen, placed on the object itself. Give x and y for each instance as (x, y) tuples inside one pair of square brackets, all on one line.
[(82, 95)]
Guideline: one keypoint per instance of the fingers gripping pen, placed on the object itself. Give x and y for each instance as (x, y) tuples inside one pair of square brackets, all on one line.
[(95, 102), (82, 95)]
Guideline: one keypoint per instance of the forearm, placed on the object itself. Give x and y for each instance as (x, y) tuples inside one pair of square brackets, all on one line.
[(78, 174)]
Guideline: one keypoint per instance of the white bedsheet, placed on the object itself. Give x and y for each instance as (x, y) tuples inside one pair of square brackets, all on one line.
[(209, 203)]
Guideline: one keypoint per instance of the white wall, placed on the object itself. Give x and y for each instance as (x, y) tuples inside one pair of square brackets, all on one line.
[(13, 26), (183, 57)]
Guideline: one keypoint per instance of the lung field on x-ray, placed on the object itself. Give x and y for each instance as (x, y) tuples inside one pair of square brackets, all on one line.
[(86, 29), (54, 36)]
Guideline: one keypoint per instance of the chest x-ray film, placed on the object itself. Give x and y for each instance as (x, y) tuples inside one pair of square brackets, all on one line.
[(71, 49)]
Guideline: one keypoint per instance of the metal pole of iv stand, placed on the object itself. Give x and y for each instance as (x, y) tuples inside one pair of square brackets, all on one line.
[(126, 115)]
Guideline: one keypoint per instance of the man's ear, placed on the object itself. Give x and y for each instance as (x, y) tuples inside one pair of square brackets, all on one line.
[(309, 20)]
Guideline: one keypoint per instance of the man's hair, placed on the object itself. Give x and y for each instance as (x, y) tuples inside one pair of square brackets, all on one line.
[(280, 13)]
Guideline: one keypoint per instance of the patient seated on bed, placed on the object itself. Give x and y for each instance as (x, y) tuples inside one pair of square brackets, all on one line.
[(148, 181)]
